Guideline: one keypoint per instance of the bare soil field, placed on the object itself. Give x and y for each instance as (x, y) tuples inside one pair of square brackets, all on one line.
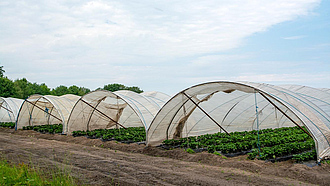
[(94, 162)]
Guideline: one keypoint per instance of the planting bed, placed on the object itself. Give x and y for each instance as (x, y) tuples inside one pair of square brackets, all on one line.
[(133, 164), (52, 129), (128, 135), (267, 144)]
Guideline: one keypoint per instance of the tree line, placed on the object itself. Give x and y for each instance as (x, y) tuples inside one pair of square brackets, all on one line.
[(22, 88)]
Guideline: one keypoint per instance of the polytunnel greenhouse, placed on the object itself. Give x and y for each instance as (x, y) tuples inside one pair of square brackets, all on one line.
[(45, 110), (9, 108), (103, 109), (244, 106)]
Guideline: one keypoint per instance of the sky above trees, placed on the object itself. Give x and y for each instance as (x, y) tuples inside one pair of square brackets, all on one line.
[(165, 46)]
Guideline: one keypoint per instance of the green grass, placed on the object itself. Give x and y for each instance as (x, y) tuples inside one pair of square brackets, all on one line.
[(23, 174)]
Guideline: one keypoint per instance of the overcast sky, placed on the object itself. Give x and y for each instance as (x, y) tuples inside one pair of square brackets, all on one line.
[(165, 45)]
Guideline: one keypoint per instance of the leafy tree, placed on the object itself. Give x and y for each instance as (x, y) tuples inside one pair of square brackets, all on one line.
[(80, 91), (60, 90), (83, 91), (115, 87), (6, 87), (39, 89), (73, 90), (22, 88), (2, 71), (135, 89), (44, 89)]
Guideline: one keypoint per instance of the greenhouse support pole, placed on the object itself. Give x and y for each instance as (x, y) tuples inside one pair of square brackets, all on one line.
[(185, 115), (49, 116), (284, 113), (90, 117), (224, 118), (257, 118), (117, 112), (102, 113), (205, 112), (43, 110), (170, 123), (6, 109)]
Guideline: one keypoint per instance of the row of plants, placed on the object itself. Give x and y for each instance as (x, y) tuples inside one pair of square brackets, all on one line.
[(267, 137), (272, 143), (265, 141), (129, 135), (311, 155), (7, 125), (52, 129), (282, 150)]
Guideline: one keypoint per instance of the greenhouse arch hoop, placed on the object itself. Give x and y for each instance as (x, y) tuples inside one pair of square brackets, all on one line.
[(235, 106), (105, 109), (47, 109), (9, 109)]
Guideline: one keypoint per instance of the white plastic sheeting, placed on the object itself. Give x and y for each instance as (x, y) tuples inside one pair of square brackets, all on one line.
[(42, 110), (104, 109), (158, 98), (233, 106), (9, 108), (325, 90), (318, 98)]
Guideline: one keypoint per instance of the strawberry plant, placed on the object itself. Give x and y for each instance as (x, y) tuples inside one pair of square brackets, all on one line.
[(8, 125), (311, 155)]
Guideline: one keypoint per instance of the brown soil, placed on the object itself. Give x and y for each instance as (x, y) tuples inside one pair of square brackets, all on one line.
[(94, 162)]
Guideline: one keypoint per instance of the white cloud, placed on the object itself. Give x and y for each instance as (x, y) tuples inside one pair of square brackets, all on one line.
[(294, 37), (211, 60), (181, 27), (131, 41), (298, 78), (293, 78)]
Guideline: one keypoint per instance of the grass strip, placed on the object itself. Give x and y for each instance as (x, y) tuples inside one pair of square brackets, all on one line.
[(23, 174)]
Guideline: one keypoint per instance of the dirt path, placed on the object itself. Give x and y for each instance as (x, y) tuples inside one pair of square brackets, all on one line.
[(136, 165)]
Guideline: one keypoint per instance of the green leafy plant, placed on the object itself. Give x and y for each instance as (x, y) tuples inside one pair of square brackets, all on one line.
[(190, 151), (7, 125), (128, 135), (55, 128), (217, 153), (305, 156), (23, 174)]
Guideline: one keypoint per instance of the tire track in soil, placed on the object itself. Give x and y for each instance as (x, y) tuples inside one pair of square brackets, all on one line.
[(99, 166)]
